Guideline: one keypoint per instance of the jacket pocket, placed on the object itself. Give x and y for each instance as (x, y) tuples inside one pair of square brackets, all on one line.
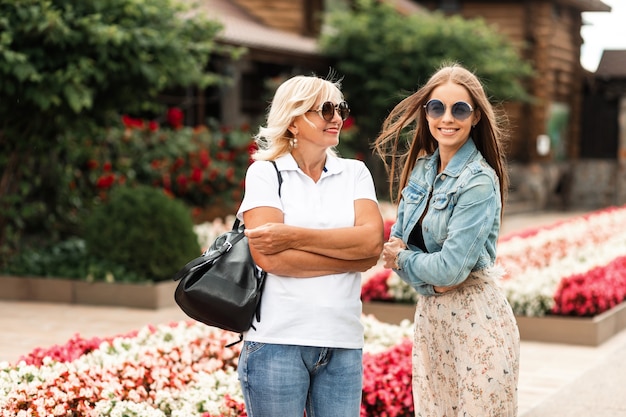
[(414, 199), (442, 205)]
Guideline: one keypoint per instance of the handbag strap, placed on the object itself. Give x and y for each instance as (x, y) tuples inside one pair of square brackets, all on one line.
[(236, 227), (280, 177), (280, 184)]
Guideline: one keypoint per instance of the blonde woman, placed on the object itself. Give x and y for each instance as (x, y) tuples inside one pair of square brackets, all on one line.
[(314, 240)]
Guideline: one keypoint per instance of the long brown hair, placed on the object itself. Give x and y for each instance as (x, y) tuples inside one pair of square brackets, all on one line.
[(391, 143)]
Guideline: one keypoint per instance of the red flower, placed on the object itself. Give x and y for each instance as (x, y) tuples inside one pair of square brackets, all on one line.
[(106, 167), (196, 175), (153, 126), (252, 148), (592, 292), (132, 123), (182, 180), (348, 123), (387, 382), (387, 227), (105, 181), (175, 117), (205, 158), (92, 164), (376, 289)]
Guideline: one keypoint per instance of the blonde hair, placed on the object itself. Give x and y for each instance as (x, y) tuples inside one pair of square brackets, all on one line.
[(293, 98), (487, 133)]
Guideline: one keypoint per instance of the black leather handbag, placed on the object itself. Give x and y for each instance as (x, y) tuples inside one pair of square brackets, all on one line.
[(223, 287)]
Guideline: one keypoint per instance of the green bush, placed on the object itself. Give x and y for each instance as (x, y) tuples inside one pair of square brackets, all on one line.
[(385, 55), (74, 66), (68, 259), (144, 230)]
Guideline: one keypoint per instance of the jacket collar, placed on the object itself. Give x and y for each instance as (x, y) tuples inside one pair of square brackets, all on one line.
[(461, 158)]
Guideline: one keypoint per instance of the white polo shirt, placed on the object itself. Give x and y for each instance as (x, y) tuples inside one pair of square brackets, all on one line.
[(321, 311)]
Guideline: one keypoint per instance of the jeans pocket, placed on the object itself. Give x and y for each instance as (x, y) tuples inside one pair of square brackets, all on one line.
[(252, 347)]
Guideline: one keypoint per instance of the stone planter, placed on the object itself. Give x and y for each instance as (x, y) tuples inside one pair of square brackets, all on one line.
[(588, 331), (57, 290), (386, 312)]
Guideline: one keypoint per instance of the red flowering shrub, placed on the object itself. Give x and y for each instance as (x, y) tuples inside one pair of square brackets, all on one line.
[(203, 167), (387, 382)]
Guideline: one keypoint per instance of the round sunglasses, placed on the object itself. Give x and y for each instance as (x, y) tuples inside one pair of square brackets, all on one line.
[(460, 110), (327, 111)]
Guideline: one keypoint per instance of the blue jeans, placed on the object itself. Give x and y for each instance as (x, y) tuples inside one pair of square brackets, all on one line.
[(286, 380)]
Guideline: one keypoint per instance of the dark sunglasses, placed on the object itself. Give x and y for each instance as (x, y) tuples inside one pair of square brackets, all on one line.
[(460, 110), (327, 111)]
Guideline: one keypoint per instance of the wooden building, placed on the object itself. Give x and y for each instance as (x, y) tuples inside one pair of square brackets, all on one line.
[(547, 33), (280, 37), (599, 174), (552, 139), (546, 134), (280, 40)]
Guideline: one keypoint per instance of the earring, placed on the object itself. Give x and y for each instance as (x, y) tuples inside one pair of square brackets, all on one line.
[(293, 142)]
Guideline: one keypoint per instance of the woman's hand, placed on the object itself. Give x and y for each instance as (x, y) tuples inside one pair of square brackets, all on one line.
[(391, 249), (270, 238)]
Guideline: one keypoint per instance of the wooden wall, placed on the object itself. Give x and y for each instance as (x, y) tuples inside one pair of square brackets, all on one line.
[(301, 17)]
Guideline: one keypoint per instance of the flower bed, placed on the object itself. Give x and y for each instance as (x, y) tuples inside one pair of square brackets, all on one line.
[(572, 268), (565, 282), (572, 271), (180, 369)]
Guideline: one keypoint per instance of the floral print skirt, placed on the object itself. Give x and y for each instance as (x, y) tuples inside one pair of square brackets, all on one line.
[(466, 352)]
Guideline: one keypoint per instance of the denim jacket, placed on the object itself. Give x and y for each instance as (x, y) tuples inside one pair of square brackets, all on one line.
[(461, 225)]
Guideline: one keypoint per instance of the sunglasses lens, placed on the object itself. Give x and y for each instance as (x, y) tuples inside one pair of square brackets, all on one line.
[(461, 110), (435, 109), (328, 111), (344, 110)]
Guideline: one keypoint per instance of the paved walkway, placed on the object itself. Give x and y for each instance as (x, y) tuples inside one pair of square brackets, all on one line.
[(556, 380)]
